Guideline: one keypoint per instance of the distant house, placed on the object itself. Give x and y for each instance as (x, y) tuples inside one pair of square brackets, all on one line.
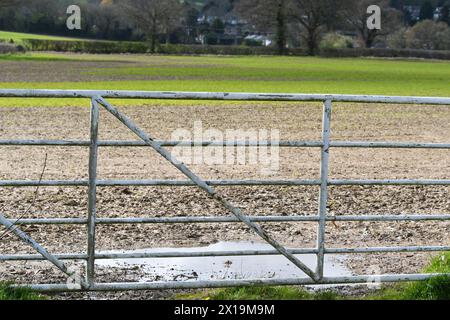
[(206, 19), (438, 13), (262, 40), (234, 29), (413, 12)]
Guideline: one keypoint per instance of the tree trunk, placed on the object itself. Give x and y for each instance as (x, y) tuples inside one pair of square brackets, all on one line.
[(167, 37), (369, 38), (153, 38), (311, 42), (281, 29), (153, 43)]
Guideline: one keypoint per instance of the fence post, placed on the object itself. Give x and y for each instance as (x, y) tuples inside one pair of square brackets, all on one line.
[(92, 202), (323, 195)]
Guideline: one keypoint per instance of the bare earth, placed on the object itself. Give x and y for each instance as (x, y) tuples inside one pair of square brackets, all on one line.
[(300, 121)]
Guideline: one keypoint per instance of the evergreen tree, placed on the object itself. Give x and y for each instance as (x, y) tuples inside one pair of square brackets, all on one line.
[(426, 11), (445, 14)]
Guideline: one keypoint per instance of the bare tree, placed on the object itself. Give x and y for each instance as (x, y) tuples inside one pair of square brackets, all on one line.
[(33, 201), (314, 17), (153, 17), (267, 16), (355, 15), (109, 15)]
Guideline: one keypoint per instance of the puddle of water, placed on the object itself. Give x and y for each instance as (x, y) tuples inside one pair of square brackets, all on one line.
[(223, 268)]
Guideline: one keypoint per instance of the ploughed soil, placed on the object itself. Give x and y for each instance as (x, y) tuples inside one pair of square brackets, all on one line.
[(294, 121)]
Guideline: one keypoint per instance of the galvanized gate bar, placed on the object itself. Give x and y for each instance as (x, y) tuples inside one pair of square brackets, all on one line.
[(168, 183), (282, 144), (209, 219), (220, 96), (323, 193), (242, 283), (192, 254), (163, 143), (36, 246), (92, 193), (187, 183), (204, 186)]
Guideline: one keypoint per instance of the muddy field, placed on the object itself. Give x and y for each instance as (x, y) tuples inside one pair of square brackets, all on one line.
[(300, 121)]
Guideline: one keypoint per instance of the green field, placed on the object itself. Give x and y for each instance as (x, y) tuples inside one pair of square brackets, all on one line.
[(18, 37), (221, 74)]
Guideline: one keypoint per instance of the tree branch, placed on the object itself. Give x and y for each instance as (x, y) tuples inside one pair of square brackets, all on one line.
[(35, 196)]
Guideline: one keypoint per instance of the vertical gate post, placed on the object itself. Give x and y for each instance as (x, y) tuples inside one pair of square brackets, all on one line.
[(92, 201), (323, 195)]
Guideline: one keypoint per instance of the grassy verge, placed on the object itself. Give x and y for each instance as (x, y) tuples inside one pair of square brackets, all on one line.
[(437, 288), (260, 293), (9, 293)]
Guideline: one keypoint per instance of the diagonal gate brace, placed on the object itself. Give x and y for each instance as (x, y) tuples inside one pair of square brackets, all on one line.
[(36, 246), (203, 185)]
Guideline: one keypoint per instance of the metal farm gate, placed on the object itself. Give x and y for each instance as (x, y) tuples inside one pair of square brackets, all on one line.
[(316, 276)]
